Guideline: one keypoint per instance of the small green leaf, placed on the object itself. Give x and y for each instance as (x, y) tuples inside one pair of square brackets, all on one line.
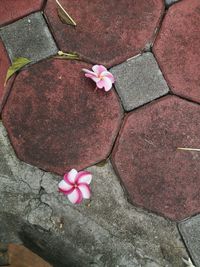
[(64, 16), (17, 64)]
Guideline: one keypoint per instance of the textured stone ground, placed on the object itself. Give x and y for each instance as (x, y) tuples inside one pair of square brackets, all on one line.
[(146, 192)]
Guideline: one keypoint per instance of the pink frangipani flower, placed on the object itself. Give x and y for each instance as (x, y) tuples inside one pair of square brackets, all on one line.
[(76, 185), (101, 76)]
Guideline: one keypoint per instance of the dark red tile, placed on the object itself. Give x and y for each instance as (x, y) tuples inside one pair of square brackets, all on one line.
[(56, 120), (4, 65), (11, 10), (156, 175), (107, 32), (177, 49)]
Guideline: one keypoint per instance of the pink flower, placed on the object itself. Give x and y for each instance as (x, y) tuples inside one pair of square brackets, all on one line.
[(76, 185), (101, 76)]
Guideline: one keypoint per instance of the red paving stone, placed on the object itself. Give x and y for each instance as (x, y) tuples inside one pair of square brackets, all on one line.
[(11, 10), (56, 120), (4, 65), (107, 32), (177, 49), (156, 175), (20, 256)]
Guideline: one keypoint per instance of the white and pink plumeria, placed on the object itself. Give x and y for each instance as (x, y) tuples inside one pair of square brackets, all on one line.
[(101, 76), (76, 185)]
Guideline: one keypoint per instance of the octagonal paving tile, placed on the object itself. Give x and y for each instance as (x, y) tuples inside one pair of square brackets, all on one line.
[(13, 10), (156, 175), (107, 32), (57, 121), (4, 65), (177, 49)]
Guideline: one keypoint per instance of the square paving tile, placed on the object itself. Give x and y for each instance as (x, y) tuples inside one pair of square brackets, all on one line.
[(170, 2), (190, 230), (139, 81), (29, 37)]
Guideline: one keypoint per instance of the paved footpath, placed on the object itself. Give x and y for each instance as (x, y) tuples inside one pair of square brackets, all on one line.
[(145, 205)]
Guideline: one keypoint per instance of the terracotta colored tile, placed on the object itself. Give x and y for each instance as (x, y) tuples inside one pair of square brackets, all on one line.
[(156, 175), (4, 65), (107, 32), (177, 48), (11, 10), (23, 257), (57, 121)]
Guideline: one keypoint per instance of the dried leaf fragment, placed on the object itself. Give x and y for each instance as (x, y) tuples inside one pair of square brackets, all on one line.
[(188, 149), (64, 16), (63, 55)]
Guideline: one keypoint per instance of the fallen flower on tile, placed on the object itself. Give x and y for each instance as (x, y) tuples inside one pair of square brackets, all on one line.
[(101, 76), (76, 185)]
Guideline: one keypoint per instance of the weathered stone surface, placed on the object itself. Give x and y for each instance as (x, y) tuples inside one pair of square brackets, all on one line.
[(139, 81), (177, 49), (156, 175), (190, 230), (170, 2), (106, 231), (12, 10), (107, 32), (56, 120), (4, 259), (29, 37)]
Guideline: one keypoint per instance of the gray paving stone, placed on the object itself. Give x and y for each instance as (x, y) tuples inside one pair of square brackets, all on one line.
[(139, 81), (29, 37), (190, 230), (170, 2), (106, 231)]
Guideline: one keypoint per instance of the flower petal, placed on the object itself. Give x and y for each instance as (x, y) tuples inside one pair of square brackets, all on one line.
[(95, 79), (108, 75), (100, 84), (65, 188), (98, 69), (107, 83), (84, 177), (70, 177), (89, 72), (85, 190), (91, 76), (76, 196)]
